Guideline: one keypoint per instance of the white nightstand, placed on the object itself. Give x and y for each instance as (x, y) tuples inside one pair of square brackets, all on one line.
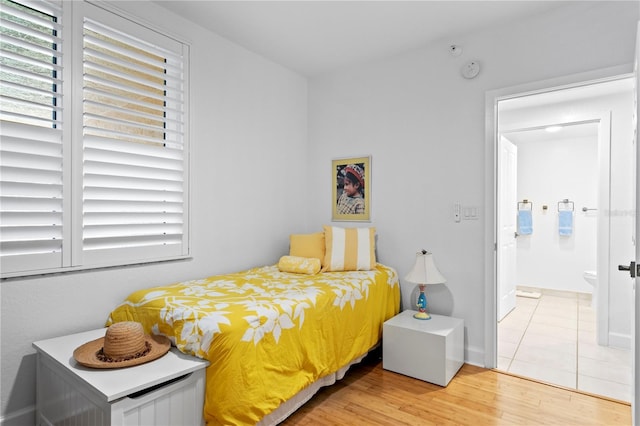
[(430, 350), (168, 390)]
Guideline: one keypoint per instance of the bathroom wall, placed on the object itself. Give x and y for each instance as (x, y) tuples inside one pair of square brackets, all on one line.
[(619, 107), (550, 171)]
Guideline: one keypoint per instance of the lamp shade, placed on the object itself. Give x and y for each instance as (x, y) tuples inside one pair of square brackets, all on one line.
[(424, 271)]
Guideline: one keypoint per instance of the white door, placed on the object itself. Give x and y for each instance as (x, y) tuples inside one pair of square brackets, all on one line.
[(635, 327), (508, 204), (633, 267)]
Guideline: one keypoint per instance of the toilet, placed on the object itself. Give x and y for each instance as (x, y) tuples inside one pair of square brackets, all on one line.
[(592, 278)]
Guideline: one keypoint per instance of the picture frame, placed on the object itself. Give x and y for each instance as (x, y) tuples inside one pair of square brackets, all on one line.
[(353, 202)]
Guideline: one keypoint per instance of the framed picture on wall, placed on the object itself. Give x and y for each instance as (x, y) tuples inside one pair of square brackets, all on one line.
[(351, 188)]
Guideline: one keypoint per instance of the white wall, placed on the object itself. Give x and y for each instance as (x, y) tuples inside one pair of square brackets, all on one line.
[(550, 171), (248, 140), (424, 127)]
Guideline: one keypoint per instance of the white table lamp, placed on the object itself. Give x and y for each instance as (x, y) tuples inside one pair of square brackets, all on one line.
[(424, 272)]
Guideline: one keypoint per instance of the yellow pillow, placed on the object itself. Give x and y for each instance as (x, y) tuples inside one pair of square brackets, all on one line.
[(299, 265), (349, 249), (307, 245)]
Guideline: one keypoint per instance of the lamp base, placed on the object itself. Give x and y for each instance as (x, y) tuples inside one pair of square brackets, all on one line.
[(422, 316)]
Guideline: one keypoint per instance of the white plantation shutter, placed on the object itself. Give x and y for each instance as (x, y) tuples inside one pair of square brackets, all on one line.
[(112, 188), (133, 197), (31, 166)]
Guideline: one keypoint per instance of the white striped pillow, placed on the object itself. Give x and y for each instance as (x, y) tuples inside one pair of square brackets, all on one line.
[(349, 249)]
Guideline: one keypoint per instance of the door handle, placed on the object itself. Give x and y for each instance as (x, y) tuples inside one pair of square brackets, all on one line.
[(516, 235), (632, 268)]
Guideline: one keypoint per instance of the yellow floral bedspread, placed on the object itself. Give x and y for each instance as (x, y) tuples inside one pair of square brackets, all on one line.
[(267, 334)]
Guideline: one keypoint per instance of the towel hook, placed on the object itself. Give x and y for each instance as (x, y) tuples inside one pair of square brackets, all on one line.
[(523, 203), (565, 202)]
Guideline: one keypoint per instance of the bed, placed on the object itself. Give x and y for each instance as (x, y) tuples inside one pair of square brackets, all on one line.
[(272, 337)]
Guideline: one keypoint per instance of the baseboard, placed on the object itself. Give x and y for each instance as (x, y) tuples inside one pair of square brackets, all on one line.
[(474, 356), (24, 416), (622, 341)]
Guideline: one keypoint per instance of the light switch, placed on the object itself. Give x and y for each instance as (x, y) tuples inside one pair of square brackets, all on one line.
[(470, 212)]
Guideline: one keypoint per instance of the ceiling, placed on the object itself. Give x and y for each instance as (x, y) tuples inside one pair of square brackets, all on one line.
[(312, 37), (555, 100), (573, 131), (564, 95), (558, 100)]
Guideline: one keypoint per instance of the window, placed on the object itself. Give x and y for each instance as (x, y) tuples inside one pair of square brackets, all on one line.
[(111, 188)]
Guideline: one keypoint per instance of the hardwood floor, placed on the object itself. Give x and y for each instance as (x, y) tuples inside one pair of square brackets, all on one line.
[(369, 395)]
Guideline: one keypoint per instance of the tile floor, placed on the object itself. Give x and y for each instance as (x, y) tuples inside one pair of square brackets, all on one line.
[(553, 339)]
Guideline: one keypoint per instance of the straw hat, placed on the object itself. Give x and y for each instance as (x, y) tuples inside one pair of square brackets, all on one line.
[(124, 345)]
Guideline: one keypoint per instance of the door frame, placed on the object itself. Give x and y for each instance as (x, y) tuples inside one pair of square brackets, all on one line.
[(490, 225)]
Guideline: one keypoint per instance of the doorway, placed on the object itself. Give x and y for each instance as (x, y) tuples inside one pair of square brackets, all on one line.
[(558, 302)]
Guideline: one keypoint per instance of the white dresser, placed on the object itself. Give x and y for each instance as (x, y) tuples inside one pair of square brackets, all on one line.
[(166, 391)]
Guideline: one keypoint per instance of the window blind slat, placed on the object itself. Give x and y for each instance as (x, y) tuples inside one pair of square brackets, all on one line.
[(159, 49), (31, 75), (118, 206), (32, 247), (27, 119), (106, 181), (12, 219), (49, 7), (18, 189), (136, 229), (101, 193), (123, 134), (132, 92), (35, 18), (28, 60), (30, 31), (114, 145), (139, 241), (127, 79), (137, 116), (132, 171), (28, 205), (32, 104), (168, 62), (132, 159), (136, 105), (23, 160), (34, 49), (36, 91), (122, 218), (31, 233), (123, 121), (153, 71)]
